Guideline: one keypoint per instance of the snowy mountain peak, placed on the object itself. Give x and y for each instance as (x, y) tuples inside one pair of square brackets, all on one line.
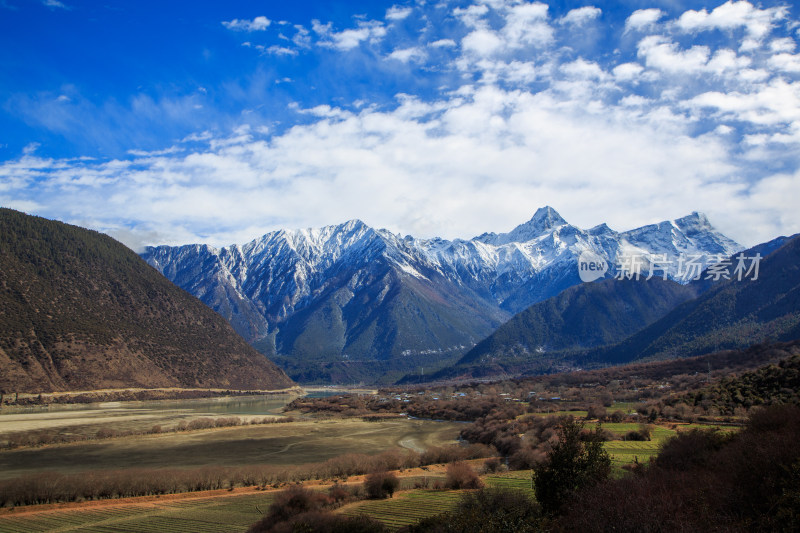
[(271, 287), (600, 229), (693, 223), (544, 221), (546, 217)]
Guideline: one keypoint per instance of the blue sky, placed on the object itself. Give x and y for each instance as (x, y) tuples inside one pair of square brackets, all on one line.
[(216, 122)]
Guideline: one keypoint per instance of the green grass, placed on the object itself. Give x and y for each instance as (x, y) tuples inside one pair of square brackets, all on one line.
[(517, 479), (625, 407), (411, 482), (204, 515), (726, 429), (406, 508)]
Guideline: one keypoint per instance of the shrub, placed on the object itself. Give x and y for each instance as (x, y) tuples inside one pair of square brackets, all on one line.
[(636, 436), (596, 411), (379, 485), (690, 449), (489, 510), (705, 481), (574, 463), (460, 475), (294, 501), (491, 465)]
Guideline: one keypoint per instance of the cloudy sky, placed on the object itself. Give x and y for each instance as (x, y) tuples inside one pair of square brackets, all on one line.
[(177, 122)]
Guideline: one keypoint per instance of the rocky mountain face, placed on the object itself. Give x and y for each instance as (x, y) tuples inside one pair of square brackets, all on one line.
[(80, 311), (330, 303)]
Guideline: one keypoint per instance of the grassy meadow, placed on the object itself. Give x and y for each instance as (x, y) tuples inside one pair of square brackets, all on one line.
[(294, 443)]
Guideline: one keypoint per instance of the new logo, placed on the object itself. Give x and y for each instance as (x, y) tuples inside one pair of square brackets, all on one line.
[(591, 266)]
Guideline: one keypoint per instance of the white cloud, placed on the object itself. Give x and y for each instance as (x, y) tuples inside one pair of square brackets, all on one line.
[(643, 19), (774, 104), (443, 43), (257, 24), (732, 15), (30, 148), (581, 15), (522, 116), (398, 13), (371, 31), (472, 16), (580, 68), (483, 42), (661, 54), (526, 24), (785, 62), (726, 61), (421, 168), (55, 4), (785, 44), (628, 71), (279, 50), (406, 55)]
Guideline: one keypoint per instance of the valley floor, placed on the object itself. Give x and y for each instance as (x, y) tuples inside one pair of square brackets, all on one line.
[(294, 443)]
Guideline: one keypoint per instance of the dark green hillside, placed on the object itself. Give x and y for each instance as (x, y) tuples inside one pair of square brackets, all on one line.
[(392, 322), (730, 314), (78, 310), (772, 384), (584, 316)]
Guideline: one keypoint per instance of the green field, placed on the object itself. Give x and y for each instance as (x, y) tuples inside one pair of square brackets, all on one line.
[(518, 480), (293, 443), (406, 508), (201, 515)]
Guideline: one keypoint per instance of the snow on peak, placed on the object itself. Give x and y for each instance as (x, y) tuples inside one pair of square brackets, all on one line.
[(543, 222), (284, 271)]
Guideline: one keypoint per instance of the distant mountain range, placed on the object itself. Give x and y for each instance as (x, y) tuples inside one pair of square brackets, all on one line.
[(353, 303), (80, 311), (615, 322)]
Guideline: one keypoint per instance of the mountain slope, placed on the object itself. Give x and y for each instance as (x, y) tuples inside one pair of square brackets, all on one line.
[(619, 321), (730, 314), (585, 316), (79, 310), (353, 294)]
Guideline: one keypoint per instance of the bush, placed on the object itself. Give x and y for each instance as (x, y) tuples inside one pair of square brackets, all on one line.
[(294, 501), (596, 412), (689, 449), (491, 465), (575, 462), (460, 475), (339, 493), (642, 434), (379, 485), (490, 510), (706, 481)]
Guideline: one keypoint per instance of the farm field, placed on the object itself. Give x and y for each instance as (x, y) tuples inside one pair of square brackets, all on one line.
[(518, 480), (294, 443), (198, 514), (406, 508), (86, 419)]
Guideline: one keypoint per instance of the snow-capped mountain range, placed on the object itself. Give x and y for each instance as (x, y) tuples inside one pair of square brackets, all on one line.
[(354, 293)]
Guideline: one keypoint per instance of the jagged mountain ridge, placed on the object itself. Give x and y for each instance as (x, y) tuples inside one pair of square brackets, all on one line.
[(619, 321), (351, 292)]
